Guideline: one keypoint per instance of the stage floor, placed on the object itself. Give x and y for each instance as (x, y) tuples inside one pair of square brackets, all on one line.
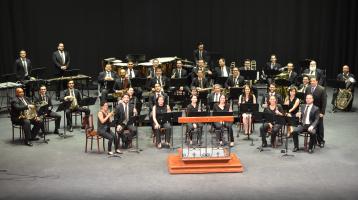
[(62, 170)]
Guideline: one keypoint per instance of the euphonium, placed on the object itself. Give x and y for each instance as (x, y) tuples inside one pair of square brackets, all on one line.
[(344, 97)]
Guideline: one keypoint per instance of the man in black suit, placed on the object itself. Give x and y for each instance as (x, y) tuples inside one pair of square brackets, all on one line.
[(43, 97), (247, 65), (272, 65), (181, 73), (200, 82), (151, 71), (61, 61), (122, 82), (203, 67), (22, 67), (201, 53), (349, 80), (104, 78), (215, 95), (222, 70), (124, 111), (158, 91), (320, 100), (235, 80), (20, 104), (305, 84), (159, 78), (133, 73), (310, 119), (72, 95), (313, 71), (271, 92), (292, 75)]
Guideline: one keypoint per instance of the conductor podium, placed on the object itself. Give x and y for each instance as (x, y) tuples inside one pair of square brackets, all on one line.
[(206, 158)]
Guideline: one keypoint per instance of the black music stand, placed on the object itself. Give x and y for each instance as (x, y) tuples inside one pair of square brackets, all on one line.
[(136, 120), (178, 82), (138, 82), (337, 84), (282, 83), (62, 107), (235, 92), (264, 117), (218, 113), (248, 108), (38, 72), (170, 117), (249, 74), (203, 97), (108, 85), (290, 121), (71, 72), (271, 72), (89, 101), (221, 80)]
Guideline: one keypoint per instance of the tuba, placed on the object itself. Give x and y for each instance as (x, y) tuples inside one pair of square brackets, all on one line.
[(345, 96)]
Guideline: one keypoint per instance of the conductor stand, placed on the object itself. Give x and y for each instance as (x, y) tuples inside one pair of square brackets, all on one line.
[(136, 120), (250, 109)]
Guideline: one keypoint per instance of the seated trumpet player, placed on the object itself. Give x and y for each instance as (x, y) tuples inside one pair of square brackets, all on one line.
[(271, 92), (124, 111), (309, 116), (104, 127), (293, 105), (121, 84), (159, 108), (23, 112), (223, 106), (44, 99), (201, 83), (103, 78), (270, 127), (194, 107), (235, 80), (247, 97), (73, 96), (346, 95)]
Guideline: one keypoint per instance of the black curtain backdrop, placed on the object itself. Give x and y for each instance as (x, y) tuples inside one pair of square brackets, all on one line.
[(92, 30)]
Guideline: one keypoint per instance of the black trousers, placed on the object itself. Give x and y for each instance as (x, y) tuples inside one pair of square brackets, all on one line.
[(127, 137), (320, 131), (57, 119), (228, 125), (26, 125), (110, 136), (80, 109), (199, 128), (167, 132), (296, 131), (264, 129)]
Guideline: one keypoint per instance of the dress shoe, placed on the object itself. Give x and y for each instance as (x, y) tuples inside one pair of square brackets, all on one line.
[(55, 131), (264, 144), (28, 144), (71, 129), (34, 139), (110, 153), (119, 151), (310, 150), (322, 144), (295, 149)]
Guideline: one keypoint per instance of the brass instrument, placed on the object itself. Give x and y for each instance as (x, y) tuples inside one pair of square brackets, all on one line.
[(119, 93), (345, 96), (253, 65), (74, 104), (30, 114), (282, 90)]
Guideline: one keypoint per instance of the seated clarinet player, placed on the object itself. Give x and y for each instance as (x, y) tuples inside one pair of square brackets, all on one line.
[(153, 97), (293, 105), (161, 108), (134, 100), (124, 111), (44, 99), (247, 98), (310, 119), (103, 78), (270, 127), (104, 127), (73, 96), (23, 112), (223, 106), (194, 107)]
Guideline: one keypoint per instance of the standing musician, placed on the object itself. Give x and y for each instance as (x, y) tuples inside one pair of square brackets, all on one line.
[(200, 53), (200, 82), (194, 107), (61, 61), (247, 97), (320, 100), (247, 65), (159, 78), (104, 127), (124, 111), (103, 77), (161, 108), (305, 84), (22, 69), (271, 127), (271, 92), (223, 106), (222, 70), (44, 99), (349, 79), (121, 83), (235, 80), (158, 91), (19, 106), (293, 105), (292, 75), (73, 96), (312, 71), (310, 119)]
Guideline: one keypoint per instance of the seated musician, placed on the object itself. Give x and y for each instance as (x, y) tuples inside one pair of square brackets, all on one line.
[(222, 70), (313, 71), (271, 92), (133, 73), (194, 92), (73, 96), (215, 95), (22, 69), (270, 127), (159, 78), (103, 77), (310, 119), (134, 100), (160, 108), (122, 83), (200, 82), (19, 105), (235, 80), (104, 127), (349, 79), (179, 72), (272, 65), (202, 66), (223, 106), (293, 105), (124, 111), (247, 97), (247, 65), (44, 99), (158, 91), (305, 84), (151, 71), (194, 107), (292, 75)]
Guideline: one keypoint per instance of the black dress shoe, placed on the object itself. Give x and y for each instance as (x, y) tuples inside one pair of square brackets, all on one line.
[(55, 131), (264, 144), (322, 144), (28, 144), (310, 150), (295, 149)]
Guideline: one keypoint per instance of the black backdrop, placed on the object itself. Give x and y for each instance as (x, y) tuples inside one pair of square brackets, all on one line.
[(92, 30)]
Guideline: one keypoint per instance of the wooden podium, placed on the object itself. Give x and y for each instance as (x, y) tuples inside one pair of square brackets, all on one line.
[(180, 164)]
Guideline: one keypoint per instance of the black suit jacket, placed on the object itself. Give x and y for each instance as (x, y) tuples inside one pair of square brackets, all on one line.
[(58, 62), (217, 71), (103, 74), (119, 116), (151, 72), (67, 93), (17, 106), (266, 98), (319, 75), (196, 83), (293, 78), (211, 97), (277, 66), (153, 98), (175, 71), (38, 99), (340, 77), (20, 70), (121, 84), (320, 97), (313, 115), (136, 73), (165, 82), (205, 55), (230, 82)]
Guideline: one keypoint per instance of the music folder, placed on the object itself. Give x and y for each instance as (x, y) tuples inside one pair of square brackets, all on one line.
[(177, 82), (198, 114), (138, 82), (249, 74), (249, 108), (235, 92), (218, 113)]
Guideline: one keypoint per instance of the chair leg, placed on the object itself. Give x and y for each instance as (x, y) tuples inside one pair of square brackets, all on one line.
[(13, 134), (98, 144), (86, 144), (104, 148), (91, 142)]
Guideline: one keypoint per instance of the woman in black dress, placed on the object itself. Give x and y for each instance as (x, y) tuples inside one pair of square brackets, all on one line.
[(161, 108), (194, 107), (223, 106), (247, 98), (293, 105)]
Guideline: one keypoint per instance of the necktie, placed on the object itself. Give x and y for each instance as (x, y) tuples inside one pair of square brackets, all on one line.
[(179, 73), (24, 101), (201, 83), (235, 82), (25, 67), (73, 93), (311, 72), (131, 75), (63, 57), (216, 97), (200, 55), (126, 112), (305, 115), (312, 89)]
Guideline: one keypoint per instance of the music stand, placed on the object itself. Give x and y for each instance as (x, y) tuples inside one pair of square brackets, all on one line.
[(38, 72), (248, 108), (71, 72), (135, 58), (138, 82), (136, 120), (178, 82), (170, 117), (108, 85), (89, 101), (291, 121), (282, 83), (203, 97), (249, 74), (337, 84), (62, 107), (221, 80), (235, 92), (271, 72)]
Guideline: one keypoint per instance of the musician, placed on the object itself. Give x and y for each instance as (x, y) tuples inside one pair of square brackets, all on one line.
[(73, 96), (160, 108), (122, 82), (305, 84), (310, 120), (193, 92), (124, 111), (349, 79), (215, 95), (222, 70), (19, 104), (201, 54), (194, 107), (200, 82), (104, 77), (292, 75), (272, 65), (247, 65), (223, 106), (132, 73), (44, 98), (61, 61), (271, 127), (151, 71), (247, 97), (22, 69), (179, 72), (158, 91), (202, 66), (235, 80), (159, 78), (293, 105), (134, 100), (313, 71), (271, 92)]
